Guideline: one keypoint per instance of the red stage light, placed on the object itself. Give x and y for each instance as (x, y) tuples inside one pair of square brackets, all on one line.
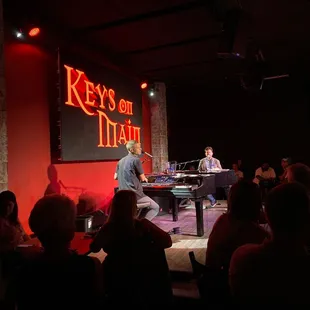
[(143, 85), (34, 31)]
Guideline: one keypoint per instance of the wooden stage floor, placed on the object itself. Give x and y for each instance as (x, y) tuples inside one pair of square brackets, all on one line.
[(187, 240)]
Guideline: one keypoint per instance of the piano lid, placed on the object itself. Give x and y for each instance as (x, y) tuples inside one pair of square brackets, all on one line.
[(188, 171)]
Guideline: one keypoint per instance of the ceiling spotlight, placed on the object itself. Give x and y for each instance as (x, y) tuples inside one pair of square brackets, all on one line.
[(19, 34), (34, 31), (143, 85)]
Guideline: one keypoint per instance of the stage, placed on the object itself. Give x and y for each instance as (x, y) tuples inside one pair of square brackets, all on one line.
[(187, 240), (184, 287)]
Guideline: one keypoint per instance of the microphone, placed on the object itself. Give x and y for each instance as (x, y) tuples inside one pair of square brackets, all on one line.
[(147, 154)]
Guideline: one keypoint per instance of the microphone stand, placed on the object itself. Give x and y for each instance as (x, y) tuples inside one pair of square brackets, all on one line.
[(145, 160), (187, 162)]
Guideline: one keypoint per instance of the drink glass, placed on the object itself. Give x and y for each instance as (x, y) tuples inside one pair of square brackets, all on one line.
[(171, 167)]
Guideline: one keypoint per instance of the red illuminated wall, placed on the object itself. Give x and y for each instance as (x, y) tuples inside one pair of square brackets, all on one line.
[(27, 81)]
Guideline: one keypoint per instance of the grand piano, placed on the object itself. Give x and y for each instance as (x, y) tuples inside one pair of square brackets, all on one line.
[(190, 184)]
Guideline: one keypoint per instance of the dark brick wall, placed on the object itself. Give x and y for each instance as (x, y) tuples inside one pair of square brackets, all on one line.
[(159, 138), (3, 112)]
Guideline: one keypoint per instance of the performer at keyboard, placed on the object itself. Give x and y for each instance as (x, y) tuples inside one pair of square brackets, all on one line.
[(209, 163), (130, 174)]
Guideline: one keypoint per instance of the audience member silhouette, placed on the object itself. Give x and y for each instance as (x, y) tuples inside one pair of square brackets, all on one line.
[(276, 272), (135, 269), (240, 225), (11, 235), (299, 173), (12, 232), (57, 277)]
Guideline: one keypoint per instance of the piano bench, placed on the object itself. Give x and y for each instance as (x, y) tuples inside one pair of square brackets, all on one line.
[(141, 206)]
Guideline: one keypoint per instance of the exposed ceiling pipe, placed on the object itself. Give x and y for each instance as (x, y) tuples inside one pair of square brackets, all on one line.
[(275, 77)]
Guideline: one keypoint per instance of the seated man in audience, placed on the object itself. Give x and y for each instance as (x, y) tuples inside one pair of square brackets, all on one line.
[(264, 174), (239, 173), (265, 177), (276, 272)]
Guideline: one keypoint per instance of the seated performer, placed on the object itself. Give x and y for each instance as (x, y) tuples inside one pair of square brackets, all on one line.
[(130, 174), (209, 163)]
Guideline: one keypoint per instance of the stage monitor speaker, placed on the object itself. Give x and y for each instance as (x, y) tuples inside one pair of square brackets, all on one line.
[(90, 222), (84, 223)]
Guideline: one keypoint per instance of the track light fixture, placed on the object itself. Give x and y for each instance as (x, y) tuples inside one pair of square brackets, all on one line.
[(27, 32)]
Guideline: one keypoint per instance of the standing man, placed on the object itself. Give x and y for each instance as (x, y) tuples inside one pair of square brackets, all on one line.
[(130, 174), (209, 163)]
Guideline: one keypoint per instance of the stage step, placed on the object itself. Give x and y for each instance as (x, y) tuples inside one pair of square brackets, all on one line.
[(185, 290)]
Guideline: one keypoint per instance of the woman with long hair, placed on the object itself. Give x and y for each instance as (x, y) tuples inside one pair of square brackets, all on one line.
[(11, 230), (135, 268)]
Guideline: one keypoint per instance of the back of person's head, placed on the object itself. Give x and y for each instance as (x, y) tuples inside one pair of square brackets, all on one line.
[(299, 173), (8, 206), (8, 195), (52, 220), (130, 144), (244, 201), (124, 207), (287, 210)]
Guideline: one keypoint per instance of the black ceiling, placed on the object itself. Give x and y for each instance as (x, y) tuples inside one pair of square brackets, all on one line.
[(182, 41)]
